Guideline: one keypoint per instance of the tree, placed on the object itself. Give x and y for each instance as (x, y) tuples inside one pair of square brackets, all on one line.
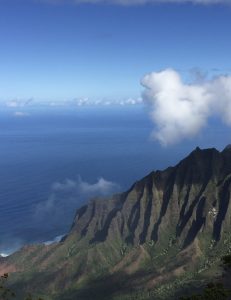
[(6, 293)]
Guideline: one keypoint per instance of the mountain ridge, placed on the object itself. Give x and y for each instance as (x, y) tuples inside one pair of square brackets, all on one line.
[(155, 182), (168, 229)]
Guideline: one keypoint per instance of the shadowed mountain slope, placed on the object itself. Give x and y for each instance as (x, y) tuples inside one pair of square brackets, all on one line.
[(186, 199), (166, 232)]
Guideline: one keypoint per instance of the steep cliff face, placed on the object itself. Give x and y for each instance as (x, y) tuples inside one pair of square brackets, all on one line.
[(189, 199), (169, 229)]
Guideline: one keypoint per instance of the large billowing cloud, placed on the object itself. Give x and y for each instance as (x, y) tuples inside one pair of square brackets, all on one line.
[(181, 110), (138, 2)]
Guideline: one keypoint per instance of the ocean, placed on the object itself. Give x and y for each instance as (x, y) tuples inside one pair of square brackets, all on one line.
[(53, 160)]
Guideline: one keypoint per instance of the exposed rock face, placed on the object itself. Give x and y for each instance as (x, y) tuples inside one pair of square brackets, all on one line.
[(191, 198), (170, 225)]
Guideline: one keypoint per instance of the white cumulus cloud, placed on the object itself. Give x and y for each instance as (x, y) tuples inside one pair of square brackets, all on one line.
[(181, 110)]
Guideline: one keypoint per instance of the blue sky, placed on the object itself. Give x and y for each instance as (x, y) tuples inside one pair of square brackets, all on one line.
[(62, 51)]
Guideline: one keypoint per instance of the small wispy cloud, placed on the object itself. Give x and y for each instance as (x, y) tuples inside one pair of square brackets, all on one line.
[(131, 101), (54, 240), (21, 114), (65, 197), (181, 110), (136, 2), (53, 216), (74, 102), (100, 188), (14, 103), (85, 101)]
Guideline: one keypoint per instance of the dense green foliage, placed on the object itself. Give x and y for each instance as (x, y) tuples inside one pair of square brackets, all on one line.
[(213, 291)]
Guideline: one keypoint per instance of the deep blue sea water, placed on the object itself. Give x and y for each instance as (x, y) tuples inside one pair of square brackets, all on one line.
[(51, 162)]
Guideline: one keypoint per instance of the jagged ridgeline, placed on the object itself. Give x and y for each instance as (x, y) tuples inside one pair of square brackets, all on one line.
[(162, 238)]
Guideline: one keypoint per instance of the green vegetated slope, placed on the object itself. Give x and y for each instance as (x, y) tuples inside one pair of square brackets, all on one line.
[(163, 237)]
